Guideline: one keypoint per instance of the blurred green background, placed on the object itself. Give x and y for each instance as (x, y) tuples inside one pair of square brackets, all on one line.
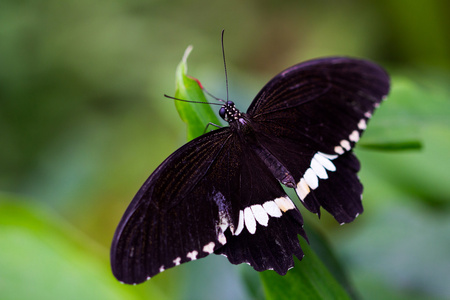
[(83, 122)]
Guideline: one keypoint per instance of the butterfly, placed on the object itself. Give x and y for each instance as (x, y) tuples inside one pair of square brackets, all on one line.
[(222, 192)]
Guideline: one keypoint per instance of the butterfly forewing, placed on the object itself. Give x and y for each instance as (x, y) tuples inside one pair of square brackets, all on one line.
[(323, 99), (309, 117), (173, 217), (310, 80)]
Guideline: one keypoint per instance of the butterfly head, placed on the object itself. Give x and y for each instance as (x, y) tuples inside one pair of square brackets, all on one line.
[(230, 113)]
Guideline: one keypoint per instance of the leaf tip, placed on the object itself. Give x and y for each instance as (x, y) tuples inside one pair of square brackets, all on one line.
[(186, 53)]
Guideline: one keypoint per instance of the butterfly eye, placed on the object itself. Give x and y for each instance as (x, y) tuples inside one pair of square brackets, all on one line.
[(222, 111)]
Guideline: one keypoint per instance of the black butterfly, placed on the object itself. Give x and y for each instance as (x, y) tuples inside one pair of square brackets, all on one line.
[(221, 192)]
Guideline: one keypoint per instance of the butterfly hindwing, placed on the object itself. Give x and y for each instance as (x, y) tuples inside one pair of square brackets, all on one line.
[(269, 222), (339, 194)]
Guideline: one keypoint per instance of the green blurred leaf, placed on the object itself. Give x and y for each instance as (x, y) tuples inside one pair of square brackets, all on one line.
[(195, 115), (415, 110), (43, 257), (310, 279), (395, 146), (400, 252), (401, 122)]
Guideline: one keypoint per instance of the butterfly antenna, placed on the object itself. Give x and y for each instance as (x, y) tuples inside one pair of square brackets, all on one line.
[(211, 95), (225, 64), (190, 101)]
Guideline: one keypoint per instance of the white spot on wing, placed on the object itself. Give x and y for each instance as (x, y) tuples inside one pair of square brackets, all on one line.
[(362, 124), (272, 209), (317, 167), (339, 150), (223, 221), (302, 189), (311, 179), (368, 115), (209, 248), (260, 214), (250, 221), (284, 203), (221, 238), (345, 144), (240, 223), (232, 228), (329, 156), (161, 269), (177, 261), (354, 136), (192, 255), (325, 161)]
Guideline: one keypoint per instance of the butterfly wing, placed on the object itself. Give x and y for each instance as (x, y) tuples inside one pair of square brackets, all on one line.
[(266, 236), (309, 117), (213, 191), (173, 217)]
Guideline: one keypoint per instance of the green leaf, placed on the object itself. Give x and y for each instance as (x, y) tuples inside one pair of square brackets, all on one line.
[(41, 255), (196, 116), (309, 279), (322, 248)]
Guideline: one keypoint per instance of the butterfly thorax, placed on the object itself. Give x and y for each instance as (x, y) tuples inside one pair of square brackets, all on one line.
[(231, 114), (239, 122)]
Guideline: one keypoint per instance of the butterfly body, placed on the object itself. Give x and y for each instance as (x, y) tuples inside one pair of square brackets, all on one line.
[(222, 192)]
